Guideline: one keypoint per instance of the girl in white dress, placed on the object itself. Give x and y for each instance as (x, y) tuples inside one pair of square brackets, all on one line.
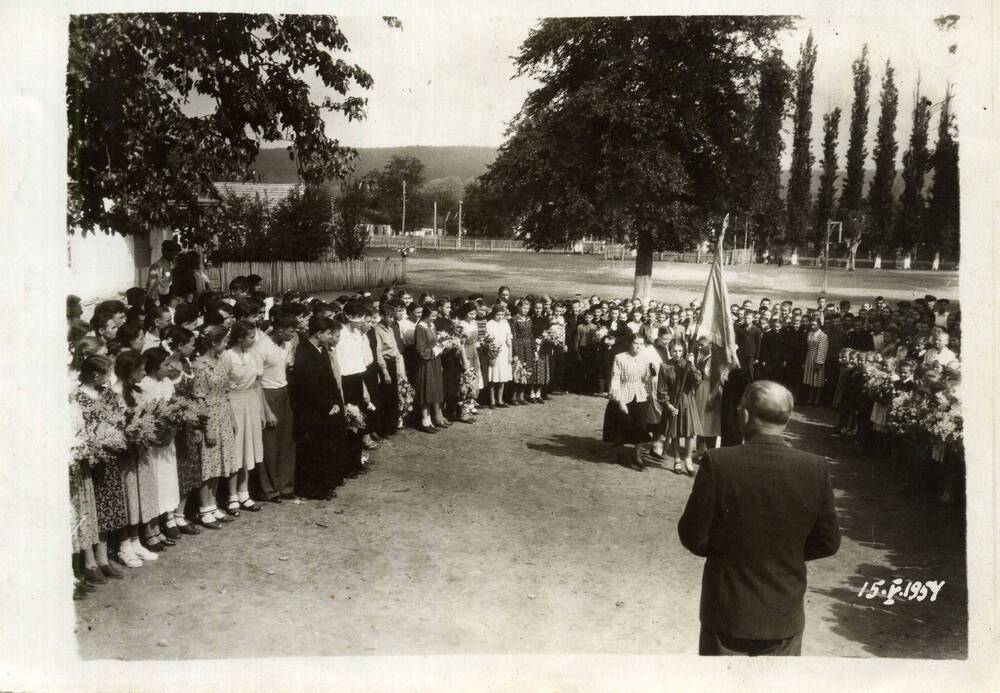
[(500, 369), (161, 459), (250, 413)]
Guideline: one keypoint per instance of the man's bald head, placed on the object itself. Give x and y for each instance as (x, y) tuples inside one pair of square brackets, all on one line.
[(768, 403)]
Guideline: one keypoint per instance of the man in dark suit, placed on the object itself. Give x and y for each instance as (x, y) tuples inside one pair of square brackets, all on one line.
[(318, 406), (758, 512)]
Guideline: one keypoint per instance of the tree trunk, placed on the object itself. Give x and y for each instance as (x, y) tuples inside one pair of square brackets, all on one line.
[(643, 268)]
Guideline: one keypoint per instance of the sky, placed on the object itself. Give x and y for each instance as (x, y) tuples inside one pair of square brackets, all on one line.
[(448, 79)]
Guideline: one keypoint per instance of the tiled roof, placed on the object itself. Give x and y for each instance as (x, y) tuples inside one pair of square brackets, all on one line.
[(270, 193)]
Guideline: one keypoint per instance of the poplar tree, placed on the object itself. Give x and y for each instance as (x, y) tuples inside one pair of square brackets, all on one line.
[(800, 178), (880, 200), (824, 200)]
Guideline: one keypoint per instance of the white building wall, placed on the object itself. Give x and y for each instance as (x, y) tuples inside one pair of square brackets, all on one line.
[(100, 265)]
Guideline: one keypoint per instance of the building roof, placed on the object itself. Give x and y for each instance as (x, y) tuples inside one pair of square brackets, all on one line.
[(271, 194)]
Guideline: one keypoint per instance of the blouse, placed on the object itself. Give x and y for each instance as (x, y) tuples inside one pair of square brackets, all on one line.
[(245, 369), (628, 374)]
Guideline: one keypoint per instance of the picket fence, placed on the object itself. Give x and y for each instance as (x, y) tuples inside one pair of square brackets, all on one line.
[(308, 276)]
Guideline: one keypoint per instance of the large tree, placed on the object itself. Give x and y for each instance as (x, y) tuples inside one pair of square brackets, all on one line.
[(852, 193), (140, 154), (637, 131), (916, 161), (388, 188), (880, 201), (800, 176), (943, 226), (824, 199), (763, 186)]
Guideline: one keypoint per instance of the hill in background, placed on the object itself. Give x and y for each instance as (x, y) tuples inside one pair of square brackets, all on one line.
[(465, 164)]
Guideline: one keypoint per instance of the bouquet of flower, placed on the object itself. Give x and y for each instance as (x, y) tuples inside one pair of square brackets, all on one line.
[(143, 424), (601, 332), (187, 408), (354, 419), (491, 347), (908, 414), (520, 371), (944, 419), (102, 440), (406, 396), (468, 387), (452, 338), (878, 382), (555, 336)]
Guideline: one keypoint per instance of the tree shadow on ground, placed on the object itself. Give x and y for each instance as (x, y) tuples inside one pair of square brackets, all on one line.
[(887, 509)]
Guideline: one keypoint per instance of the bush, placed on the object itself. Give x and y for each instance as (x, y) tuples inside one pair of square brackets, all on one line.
[(301, 228)]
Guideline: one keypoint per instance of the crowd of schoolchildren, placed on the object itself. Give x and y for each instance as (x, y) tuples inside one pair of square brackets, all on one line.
[(192, 406)]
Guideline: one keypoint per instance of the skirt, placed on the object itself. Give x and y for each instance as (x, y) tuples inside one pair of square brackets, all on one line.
[(499, 370), (110, 496), (220, 459), (711, 419), (451, 376), (814, 376), (429, 382), (139, 482), (541, 373), (162, 460), (623, 428), (84, 507), (188, 460), (685, 423), (248, 417)]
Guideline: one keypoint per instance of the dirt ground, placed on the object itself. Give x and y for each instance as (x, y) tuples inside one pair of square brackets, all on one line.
[(519, 534), (563, 276)]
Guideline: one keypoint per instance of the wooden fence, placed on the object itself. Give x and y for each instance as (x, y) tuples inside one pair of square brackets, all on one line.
[(307, 276), (735, 256)]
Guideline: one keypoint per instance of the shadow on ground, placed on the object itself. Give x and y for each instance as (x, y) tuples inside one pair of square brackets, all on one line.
[(898, 530)]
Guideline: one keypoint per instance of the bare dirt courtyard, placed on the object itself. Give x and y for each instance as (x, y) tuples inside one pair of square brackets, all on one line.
[(519, 534)]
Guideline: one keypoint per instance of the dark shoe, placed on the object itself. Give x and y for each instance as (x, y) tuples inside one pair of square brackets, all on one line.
[(275, 499), (441, 424), (94, 576), (233, 509), (226, 519), (109, 571), (468, 420), (287, 496), (188, 529), (252, 507), (427, 429), (502, 406), (171, 533), (155, 546), (167, 541)]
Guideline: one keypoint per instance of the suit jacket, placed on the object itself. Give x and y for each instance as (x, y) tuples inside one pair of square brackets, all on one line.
[(758, 512), (313, 388)]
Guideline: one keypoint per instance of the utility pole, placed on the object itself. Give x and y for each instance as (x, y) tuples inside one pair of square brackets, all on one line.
[(402, 228), (826, 253), (435, 217), (459, 245)]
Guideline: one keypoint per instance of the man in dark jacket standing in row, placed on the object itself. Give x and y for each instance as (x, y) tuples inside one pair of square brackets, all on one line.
[(757, 513)]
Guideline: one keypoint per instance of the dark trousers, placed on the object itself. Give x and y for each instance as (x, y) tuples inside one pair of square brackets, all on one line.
[(712, 644), (353, 388), (588, 369), (557, 382), (318, 466), (571, 372), (387, 416), (277, 475)]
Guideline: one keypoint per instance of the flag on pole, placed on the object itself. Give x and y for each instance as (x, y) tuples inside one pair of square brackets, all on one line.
[(716, 322)]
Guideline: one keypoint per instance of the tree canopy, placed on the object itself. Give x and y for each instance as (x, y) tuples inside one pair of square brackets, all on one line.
[(139, 155), (638, 130)]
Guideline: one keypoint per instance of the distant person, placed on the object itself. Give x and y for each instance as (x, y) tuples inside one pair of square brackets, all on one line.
[(757, 513), (161, 272)]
